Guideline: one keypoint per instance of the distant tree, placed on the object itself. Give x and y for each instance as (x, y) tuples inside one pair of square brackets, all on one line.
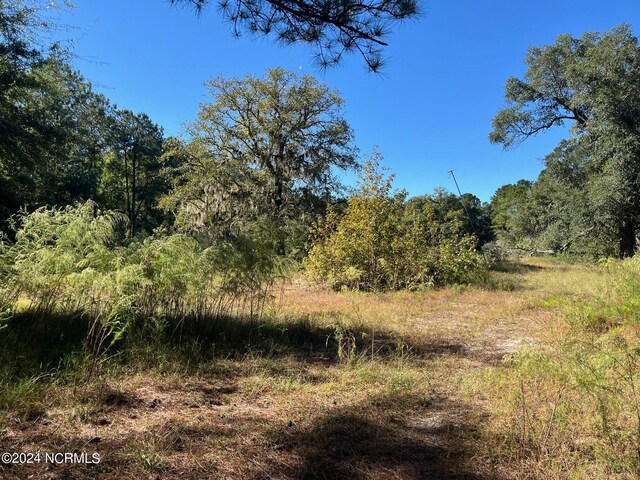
[(594, 82), (333, 28), (78, 120), (550, 217), (52, 124), (564, 210), (505, 203), (60, 141), (132, 179), (461, 214), (24, 136), (257, 147)]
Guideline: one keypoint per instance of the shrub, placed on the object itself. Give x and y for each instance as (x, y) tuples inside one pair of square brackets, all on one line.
[(71, 260), (381, 243)]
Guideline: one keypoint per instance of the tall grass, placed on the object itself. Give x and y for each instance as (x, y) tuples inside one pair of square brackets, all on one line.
[(574, 407)]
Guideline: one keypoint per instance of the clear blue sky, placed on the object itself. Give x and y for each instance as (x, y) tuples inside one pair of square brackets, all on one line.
[(429, 113)]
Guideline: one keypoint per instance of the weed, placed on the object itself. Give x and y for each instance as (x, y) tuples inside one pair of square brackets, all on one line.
[(150, 460), (346, 344)]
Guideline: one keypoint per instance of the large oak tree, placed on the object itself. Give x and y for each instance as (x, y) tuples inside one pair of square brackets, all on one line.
[(592, 82), (258, 146)]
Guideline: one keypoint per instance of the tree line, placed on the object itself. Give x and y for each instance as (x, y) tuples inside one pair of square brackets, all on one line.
[(262, 157), (259, 168)]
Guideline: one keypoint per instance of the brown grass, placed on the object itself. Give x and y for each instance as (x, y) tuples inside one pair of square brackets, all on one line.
[(392, 390)]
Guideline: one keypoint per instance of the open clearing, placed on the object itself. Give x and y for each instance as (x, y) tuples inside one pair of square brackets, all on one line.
[(343, 385)]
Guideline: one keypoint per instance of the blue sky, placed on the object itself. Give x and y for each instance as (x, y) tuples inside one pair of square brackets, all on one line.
[(430, 112)]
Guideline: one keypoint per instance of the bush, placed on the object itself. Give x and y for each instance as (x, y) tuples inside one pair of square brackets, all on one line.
[(72, 260), (381, 243)]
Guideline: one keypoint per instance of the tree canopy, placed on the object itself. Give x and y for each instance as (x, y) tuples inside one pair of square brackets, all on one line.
[(52, 123), (258, 147), (593, 82), (131, 179)]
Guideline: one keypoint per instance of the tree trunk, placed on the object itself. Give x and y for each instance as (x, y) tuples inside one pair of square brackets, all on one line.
[(127, 191), (134, 186), (278, 202), (628, 239)]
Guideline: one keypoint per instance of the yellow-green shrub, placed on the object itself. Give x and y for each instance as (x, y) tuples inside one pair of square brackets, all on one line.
[(380, 243)]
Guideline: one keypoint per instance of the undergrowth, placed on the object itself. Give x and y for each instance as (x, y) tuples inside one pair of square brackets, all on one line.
[(573, 410)]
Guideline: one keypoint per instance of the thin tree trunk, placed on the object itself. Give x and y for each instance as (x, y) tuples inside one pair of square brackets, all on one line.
[(127, 189), (278, 202), (132, 206), (628, 239)]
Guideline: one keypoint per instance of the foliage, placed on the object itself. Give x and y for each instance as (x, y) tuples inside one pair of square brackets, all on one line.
[(333, 28), (591, 181), (71, 260), (382, 243), (131, 179), (466, 212), (557, 213), (61, 142), (505, 203), (258, 150), (52, 124)]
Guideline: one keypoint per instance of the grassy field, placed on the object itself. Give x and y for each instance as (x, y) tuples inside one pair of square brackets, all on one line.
[(530, 376)]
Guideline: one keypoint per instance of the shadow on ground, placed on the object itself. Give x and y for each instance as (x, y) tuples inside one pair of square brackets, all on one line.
[(515, 267), (396, 435), (45, 344), (393, 436)]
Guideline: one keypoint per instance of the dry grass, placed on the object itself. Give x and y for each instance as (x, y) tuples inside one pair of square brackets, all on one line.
[(384, 386)]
